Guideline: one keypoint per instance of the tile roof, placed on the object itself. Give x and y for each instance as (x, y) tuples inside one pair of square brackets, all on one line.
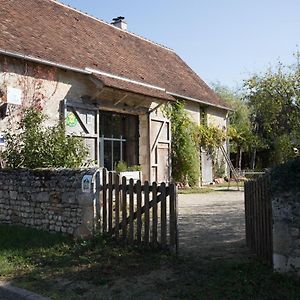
[(132, 87), (51, 31)]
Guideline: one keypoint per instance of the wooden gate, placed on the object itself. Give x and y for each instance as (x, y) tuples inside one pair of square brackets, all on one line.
[(140, 214), (160, 149), (259, 222)]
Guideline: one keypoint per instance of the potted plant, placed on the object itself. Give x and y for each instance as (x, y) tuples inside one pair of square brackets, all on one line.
[(132, 172)]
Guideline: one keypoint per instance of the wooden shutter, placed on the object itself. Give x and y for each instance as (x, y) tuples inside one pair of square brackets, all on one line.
[(83, 121)]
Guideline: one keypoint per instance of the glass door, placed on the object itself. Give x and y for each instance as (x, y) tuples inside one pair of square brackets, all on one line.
[(118, 139)]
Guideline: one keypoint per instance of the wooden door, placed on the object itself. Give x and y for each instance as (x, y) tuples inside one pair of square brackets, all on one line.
[(160, 149)]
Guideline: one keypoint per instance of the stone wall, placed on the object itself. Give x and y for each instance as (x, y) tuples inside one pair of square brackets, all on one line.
[(286, 232), (51, 200)]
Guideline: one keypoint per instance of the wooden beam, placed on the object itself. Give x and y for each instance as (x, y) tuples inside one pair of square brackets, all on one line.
[(121, 99)]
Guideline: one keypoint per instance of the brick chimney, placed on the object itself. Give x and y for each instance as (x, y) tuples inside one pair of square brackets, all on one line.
[(119, 22)]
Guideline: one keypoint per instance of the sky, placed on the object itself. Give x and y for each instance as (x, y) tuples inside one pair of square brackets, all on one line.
[(223, 41)]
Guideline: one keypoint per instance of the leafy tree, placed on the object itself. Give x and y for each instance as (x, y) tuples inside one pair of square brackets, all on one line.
[(36, 146), (274, 101)]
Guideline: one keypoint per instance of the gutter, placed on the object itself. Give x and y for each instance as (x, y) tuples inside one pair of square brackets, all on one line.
[(43, 61), (199, 101)]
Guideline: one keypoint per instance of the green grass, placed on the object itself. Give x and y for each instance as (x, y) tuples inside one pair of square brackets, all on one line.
[(202, 190), (209, 188), (60, 268)]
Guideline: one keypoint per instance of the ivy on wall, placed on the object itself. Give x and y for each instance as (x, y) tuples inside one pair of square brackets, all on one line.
[(187, 138), (185, 146)]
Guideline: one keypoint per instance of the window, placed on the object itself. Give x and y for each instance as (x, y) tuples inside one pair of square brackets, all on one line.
[(118, 139)]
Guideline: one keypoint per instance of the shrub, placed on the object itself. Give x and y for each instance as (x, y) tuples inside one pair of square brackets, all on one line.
[(185, 145), (36, 146), (121, 166)]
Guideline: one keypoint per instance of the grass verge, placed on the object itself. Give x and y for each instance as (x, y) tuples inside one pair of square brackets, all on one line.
[(202, 190), (61, 268)]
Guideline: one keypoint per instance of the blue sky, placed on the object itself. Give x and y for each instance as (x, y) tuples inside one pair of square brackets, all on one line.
[(222, 40)]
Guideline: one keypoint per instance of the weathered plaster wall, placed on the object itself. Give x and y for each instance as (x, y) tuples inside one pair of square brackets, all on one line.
[(216, 117), (193, 109), (286, 232), (51, 200), (42, 86)]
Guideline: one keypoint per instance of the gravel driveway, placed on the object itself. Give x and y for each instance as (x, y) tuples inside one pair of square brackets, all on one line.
[(212, 224)]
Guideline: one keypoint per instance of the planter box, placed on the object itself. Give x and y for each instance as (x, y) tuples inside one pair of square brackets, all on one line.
[(135, 175)]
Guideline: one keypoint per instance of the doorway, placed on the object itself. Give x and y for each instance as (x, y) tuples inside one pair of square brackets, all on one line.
[(118, 139)]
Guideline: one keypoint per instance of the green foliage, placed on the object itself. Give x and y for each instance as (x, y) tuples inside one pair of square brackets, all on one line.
[(240, 127), (211, 136), (185, 145), (35, 146), (274, 102), (135, 168), (286, 177), (121, 166)]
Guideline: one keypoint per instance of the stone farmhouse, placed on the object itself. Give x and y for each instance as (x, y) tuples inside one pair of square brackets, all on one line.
[(106, 83)]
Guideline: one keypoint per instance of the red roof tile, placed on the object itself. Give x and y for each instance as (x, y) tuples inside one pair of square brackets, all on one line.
[(48, 30)]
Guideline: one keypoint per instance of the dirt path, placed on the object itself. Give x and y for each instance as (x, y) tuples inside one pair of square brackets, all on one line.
[(212, 224)]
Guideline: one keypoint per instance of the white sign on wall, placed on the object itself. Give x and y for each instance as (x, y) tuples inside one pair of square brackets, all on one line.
[(14, 95), (86, 184)]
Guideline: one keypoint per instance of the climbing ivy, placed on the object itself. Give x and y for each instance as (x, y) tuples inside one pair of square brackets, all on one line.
[(187, 137), (211, 136), (185, 146)]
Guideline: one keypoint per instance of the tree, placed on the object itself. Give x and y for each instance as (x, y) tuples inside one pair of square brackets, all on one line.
[(274, 101), (36, 146), (240, 128)]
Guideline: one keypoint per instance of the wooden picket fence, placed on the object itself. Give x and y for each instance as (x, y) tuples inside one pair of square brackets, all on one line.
[(258, 216), (140, 214)]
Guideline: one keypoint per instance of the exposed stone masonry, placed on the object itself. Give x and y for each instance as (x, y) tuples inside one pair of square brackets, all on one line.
[(286, 232), (46, 199)]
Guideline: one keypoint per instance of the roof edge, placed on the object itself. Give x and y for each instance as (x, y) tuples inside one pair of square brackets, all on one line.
[(126, 79), (199, 101), (89, 71), (43, 61)]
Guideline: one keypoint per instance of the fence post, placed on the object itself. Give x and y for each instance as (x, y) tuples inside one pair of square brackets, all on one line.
[(154, 214), (117, 204), (97, 203), (270, 217), (104, 200), (147, 215), (124, 208), (172, 216), (110, 201), (139, 211), (163, 218), (131, 212), (246, 204)]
